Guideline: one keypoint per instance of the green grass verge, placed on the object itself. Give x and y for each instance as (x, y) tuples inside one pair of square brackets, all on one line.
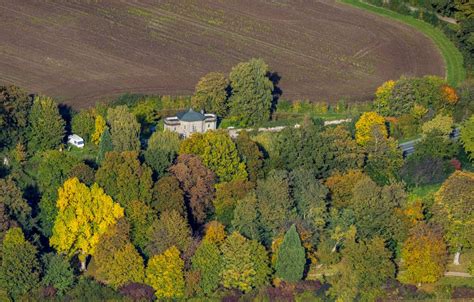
[(456, 73)]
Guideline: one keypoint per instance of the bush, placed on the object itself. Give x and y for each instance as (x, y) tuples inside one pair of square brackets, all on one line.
[(138, 292)]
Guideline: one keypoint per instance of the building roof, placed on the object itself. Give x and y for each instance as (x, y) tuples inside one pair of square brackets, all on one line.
[(74, 137), (190, 116)]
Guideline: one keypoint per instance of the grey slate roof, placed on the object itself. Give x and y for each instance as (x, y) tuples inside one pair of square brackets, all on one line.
[(190, 116)]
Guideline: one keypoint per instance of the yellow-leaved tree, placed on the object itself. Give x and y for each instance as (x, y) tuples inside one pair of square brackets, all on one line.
[(84, 214), (424, 256), (215, 232), (100, 125), (368, 125), (382, 96), (165, 274)]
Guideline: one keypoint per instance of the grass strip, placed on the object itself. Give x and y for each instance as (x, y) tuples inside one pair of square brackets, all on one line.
[(455, 70)]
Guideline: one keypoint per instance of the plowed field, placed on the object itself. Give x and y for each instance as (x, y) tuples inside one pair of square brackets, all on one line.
[(86, 50)]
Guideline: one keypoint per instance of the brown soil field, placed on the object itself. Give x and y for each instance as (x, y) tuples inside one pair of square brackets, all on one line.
[(82, 51)]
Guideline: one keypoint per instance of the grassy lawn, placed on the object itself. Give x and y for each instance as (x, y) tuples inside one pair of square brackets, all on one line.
[(423, 192), (466, 257), (453, 59)]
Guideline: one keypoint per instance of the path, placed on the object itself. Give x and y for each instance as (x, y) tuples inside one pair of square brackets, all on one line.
[(458, 274)]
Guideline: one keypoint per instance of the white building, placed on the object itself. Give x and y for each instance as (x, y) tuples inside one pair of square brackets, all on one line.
[(188, 122)]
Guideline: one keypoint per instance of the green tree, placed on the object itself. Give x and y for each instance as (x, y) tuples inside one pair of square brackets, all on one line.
[(124, 129), (116, 262), (83, 216), (211, 94), (161, 151), (53, 168), (165, 274), (83, 124), (124, 178), (140, 216), (364, 269), (251, 98), (197, 182), (207, 260), (105, 145), (275, 205), (170, 230), (167, 195), (310, 198), (343, 153), (19, 272), (384, 159), (291, 260), (15, 105), (245, 218), (227, 195), (218, 152), (435, 145), (57, 273), (467, 136), (453, 209), (251, 155), (46, 126)]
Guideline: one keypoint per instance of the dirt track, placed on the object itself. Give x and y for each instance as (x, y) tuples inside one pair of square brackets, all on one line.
[(83, 51)]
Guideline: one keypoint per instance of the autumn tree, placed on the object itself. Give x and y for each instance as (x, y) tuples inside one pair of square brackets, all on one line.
[(367, 124), (197, 182), (442, 123), (83, 172), (214, 232), (424, 256), (211, 94), (251, 155), (15, 206), (291, 258), (100, 126), (274, 202), (207, 260), (218, 152), (251, 98), (245, 263), (467, 136), (116, 262), (341, 185), (453, 209), (105, 145), (83, 124), (227, 195), (124, 178), (365, 268), (382, 97), (170, 230), (19, 270), (167, 195), (124, 129), (46, 126), (83, 216), (15, 105), (164, 273), (162, 149), (343, 153)]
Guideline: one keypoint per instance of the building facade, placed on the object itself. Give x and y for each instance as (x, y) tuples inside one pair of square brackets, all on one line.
[(188, 122)]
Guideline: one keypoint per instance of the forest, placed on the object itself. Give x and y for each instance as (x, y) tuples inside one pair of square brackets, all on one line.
[(314, 213)]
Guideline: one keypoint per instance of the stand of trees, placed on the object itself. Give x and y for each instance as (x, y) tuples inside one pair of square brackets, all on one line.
[(211, 217)]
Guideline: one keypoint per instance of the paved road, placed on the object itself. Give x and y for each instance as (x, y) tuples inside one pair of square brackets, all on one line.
[(458, 274), (409, 147)]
